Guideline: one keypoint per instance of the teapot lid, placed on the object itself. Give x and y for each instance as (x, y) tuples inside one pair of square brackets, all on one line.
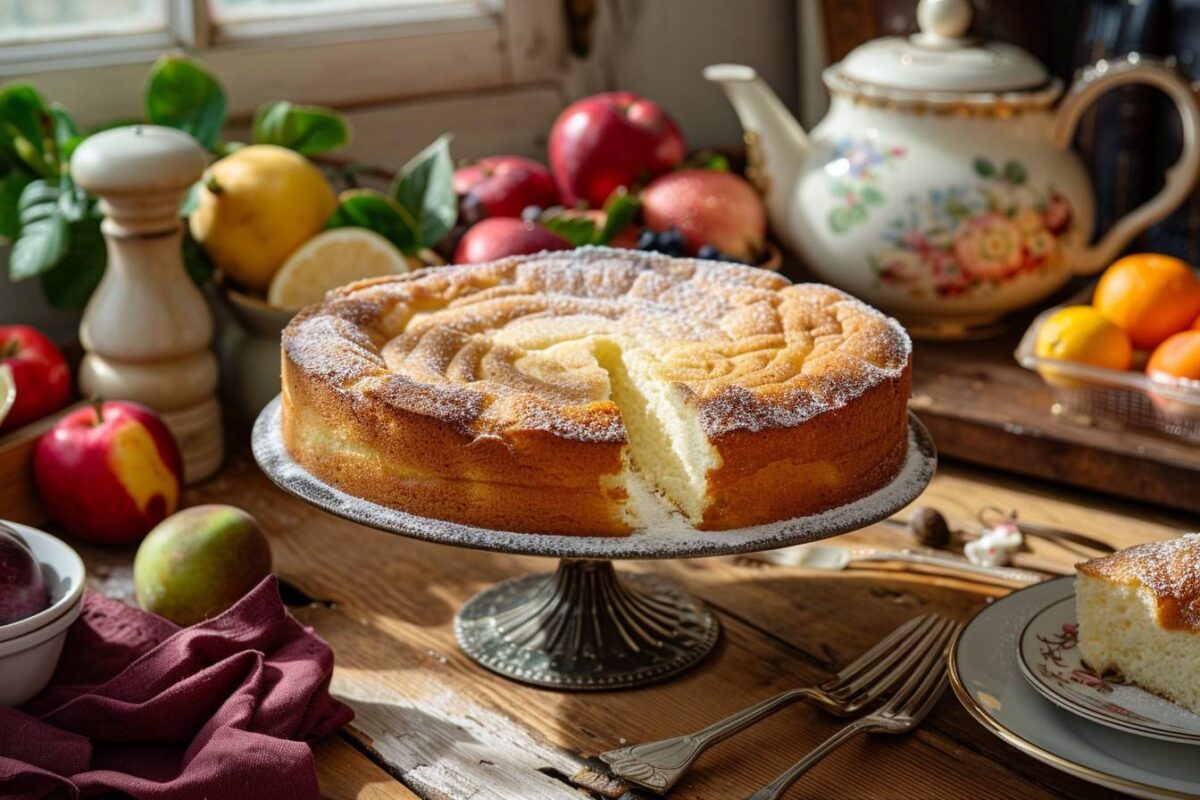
[(942, 58)]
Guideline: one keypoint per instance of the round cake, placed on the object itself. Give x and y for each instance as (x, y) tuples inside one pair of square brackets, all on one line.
[(593, 391)]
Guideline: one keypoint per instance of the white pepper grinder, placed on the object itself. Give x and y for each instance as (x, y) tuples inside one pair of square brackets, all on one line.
[(147, 328)]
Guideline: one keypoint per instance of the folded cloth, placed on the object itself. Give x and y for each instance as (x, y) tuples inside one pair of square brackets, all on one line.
[(139, 707)]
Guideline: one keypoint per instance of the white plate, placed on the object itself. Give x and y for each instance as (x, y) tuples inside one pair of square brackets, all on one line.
[(1050, 660), (986, 678)]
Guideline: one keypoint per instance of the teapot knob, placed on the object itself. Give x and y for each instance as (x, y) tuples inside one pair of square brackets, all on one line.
[(943, 19)]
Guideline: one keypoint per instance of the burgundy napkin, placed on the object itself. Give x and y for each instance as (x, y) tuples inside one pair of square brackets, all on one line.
[(139, 707)]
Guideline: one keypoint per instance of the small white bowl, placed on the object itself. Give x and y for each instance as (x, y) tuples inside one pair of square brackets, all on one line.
[(63, 571), (28, 662), (30, 647)]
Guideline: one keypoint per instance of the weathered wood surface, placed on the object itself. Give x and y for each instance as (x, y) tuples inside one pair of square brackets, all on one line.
[(448, 729), (981, 406)]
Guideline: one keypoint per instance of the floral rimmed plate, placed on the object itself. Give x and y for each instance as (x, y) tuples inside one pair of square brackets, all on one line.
[(985, 677), (1049, 657)]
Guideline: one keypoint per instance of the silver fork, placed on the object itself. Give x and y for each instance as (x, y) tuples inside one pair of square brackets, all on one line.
[(658, 765), (910, 704)]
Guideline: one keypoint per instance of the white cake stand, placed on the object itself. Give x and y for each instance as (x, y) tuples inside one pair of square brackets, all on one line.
[(583, 627)]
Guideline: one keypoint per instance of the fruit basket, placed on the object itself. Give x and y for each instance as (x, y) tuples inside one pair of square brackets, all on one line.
[(1124, 398)]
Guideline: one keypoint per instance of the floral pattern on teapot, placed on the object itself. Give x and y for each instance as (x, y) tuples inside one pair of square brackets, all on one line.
[(967, 239), (853, 170)]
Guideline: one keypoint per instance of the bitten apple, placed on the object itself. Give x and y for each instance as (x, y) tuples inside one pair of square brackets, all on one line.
[(503, 186), (504, 236), (109, 472), (39, 372), (610, 140), (709, 207)]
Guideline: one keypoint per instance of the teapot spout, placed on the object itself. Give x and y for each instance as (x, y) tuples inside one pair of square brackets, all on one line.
[(784, 143)]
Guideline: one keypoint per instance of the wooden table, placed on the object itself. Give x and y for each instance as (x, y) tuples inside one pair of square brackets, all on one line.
[(432, 724)]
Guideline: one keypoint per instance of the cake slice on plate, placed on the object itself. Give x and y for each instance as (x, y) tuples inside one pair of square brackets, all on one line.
[(1139, 614)]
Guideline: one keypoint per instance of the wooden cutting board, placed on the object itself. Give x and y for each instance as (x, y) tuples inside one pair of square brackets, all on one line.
[(984, 408)]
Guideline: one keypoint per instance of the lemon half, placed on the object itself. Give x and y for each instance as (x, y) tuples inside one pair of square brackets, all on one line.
[(332, 259)]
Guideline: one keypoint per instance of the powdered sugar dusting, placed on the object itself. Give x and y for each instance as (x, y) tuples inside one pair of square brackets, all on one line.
[(1169, 569), (669, 536), (751, 349)]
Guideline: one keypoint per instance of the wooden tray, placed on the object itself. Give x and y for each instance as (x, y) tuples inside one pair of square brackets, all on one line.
[(982, 407)]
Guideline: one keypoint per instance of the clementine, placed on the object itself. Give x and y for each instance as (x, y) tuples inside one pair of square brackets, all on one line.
[(1150, 296), (1177, 357), (1084, 335)]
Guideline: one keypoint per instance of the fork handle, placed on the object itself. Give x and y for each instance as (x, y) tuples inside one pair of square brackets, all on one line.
[(775, 789), (739, 721)]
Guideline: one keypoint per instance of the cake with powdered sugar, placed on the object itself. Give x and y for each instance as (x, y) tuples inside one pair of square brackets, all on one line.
[(543, 394), (1139, 614)]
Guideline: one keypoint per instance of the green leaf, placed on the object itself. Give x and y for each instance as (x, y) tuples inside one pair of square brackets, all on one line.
[(984, 168), (375, 211), (425, 187), (840, 219), (66, 135), (71, 283), (619, 213), (579, 231), (42, 240), (182, 94), (706, 159), (1014, 172), (26, 129), (191, 199), (11, 187), (872, 196), (195, 260), (305, 129)]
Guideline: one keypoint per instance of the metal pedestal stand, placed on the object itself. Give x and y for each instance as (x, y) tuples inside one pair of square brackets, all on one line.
[(585, 627)]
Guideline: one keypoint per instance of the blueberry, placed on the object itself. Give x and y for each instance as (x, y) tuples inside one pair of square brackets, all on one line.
[(709, 253), (671, 238), (531, 213), (471, 209), (647, 240)]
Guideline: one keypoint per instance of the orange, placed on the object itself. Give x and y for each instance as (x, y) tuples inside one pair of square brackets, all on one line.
[(1150, 296), (1084, 335), (1177, 357)]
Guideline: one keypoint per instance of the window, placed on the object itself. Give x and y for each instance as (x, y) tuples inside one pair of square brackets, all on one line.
[(91, 55)]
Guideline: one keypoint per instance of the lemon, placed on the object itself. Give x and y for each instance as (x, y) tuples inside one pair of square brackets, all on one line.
[(8, 391), (332, 259), (1083, 335), (256, 207)]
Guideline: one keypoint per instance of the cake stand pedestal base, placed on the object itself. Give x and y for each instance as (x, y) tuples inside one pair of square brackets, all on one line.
[(584, 627)]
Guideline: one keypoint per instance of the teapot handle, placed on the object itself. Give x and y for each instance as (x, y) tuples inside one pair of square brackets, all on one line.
[(1180, 178)]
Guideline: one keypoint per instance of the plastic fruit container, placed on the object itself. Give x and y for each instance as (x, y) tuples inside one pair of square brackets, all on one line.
[(30, 647), (1121, 398)]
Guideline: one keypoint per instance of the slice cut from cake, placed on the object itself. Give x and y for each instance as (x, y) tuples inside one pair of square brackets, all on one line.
[(1139, 614)]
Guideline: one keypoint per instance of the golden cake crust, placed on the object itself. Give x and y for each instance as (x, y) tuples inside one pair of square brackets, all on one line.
[(1169, 570), (470, 393)]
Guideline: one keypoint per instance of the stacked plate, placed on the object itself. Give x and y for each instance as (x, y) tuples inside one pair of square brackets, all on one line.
[(30, 647), (1017, 669)]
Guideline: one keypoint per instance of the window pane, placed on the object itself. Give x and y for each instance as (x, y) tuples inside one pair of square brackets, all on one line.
[(41, 20), (227, 11)]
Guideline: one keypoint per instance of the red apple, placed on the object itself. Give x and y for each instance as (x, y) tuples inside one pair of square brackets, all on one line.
[(610, 140), (39, 372), (709, 207), (502, 186), (504, 236), (22, 584), (109, 472)]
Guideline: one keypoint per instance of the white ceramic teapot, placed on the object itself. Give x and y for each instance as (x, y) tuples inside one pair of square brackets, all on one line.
[(941, 185)]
